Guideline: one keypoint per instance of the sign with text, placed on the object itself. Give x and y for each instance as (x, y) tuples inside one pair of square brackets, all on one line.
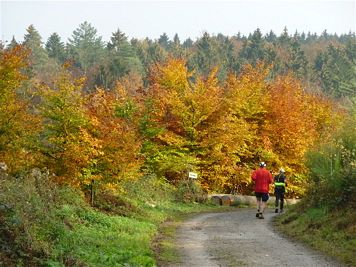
[(193, 175)]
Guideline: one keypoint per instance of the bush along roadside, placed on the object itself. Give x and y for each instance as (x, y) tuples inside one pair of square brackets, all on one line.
[(43, 224)]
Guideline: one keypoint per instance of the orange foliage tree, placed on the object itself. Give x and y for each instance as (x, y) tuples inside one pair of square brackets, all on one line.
[(115, 116), (294, 123)]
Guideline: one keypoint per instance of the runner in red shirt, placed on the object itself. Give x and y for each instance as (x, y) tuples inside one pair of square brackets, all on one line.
[(262, 178)]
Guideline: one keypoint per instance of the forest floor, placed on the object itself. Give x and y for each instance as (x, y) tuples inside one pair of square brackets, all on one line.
[(238, 238)]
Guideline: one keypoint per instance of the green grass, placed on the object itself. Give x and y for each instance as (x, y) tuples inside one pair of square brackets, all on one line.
[(98, 239), (332, 232)]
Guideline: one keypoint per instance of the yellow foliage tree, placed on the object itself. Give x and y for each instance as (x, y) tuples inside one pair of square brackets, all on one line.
[(18, 125), (69, 147), (199, 133), (247, 102)]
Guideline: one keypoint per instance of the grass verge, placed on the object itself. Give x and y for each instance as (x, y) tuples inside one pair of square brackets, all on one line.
[(332, 232)]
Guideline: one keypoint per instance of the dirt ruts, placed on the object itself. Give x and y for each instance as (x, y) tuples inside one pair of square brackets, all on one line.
[(238, 238)]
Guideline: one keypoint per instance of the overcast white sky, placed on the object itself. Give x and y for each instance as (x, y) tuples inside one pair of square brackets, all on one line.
[(146, 18)]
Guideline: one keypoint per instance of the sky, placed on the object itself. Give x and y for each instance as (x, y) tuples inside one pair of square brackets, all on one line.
[(146, 18)]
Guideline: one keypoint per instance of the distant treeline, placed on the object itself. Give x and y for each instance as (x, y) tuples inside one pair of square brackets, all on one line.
[(325, 63)]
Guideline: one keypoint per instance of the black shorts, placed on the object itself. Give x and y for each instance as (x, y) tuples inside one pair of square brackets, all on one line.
[(263, 196)]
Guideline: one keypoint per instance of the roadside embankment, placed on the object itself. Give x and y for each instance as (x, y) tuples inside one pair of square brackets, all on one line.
[(332, 232)]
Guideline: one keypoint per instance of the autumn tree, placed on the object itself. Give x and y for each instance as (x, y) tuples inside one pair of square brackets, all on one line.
[(247, 100), (18, 124), (164, 146), (116, 126), (296, 120), (189, 117), (67, 142)]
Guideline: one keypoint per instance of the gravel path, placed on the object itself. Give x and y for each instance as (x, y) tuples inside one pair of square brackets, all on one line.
[(240, 239)]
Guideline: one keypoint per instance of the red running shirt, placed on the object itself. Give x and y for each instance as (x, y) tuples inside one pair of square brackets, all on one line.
[(262, 179)]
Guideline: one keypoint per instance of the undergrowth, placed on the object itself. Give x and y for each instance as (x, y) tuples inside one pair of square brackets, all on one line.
[(43, 224)]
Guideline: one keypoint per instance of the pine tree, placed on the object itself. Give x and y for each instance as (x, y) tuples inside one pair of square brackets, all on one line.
[(163, 41), (33, 41), (336, 71), (253, 49), (206, 57), (284, 39), (85, 47), (13, 43), (188, 43), (175, 47), (298, 62), (271, 37), (121, 59), (55, 48)]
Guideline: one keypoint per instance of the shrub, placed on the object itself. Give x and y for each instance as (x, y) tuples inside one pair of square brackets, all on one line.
[(28, 224), (333, 169), (190, 191)]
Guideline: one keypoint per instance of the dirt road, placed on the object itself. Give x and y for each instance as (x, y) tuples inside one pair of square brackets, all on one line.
[(238, 238)]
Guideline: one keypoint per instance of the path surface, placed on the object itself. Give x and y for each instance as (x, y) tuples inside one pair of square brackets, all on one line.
[(240, 239)]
